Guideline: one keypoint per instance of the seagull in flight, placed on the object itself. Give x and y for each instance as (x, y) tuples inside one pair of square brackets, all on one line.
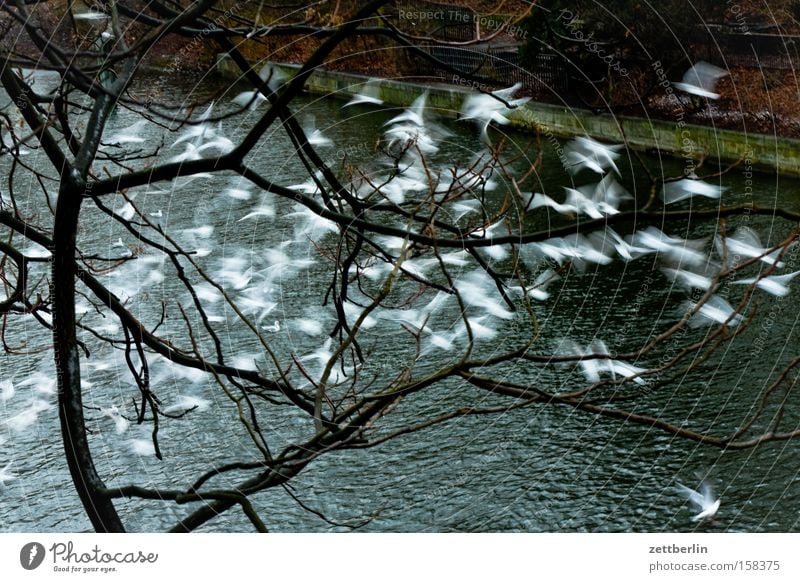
[(745, 242), (625, 250), (538, 289), (687, 188), (273, 77), (368, 95), (485, 108), (689, 279), (597, 200), (714, 310), (539, 200), (187, 403), (121, 423), (6, 474), (703, 501), (584, 152), (6, 390), (91, 15), (701, 80), (130, 134), (313, 135), (678, 250), (414, 114), (250, 99), (776, 285)]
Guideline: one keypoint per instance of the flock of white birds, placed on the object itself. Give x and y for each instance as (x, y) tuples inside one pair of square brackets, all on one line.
[(255, 278)]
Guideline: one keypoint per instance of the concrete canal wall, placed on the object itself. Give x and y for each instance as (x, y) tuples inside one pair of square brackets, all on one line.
[(682, 140)]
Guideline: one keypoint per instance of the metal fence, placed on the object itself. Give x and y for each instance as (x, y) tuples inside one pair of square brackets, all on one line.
[(770, 51), (499, 65), (439, 21)]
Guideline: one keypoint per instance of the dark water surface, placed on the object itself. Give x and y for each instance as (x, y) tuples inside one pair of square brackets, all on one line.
[(533, 469)]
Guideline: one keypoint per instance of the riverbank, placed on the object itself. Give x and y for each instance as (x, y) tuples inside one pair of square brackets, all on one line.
[(676, 138)]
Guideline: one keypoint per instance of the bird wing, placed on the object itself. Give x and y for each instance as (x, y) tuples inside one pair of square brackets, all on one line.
[(704, 75), (784, 279), (507, 94), (692, 496), (695, 90), (545, 278), (707, 492), (747, 236)]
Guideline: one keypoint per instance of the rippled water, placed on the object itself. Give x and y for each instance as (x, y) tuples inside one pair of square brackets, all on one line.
[(542, 468)]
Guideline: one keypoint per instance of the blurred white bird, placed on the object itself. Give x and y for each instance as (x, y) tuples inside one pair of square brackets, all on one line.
[(439, 340), (249, 99), (308, 326), (582, 248), (486, 108), (714, 310), (477, 327), (543, 201), (478, 289), (121, 423), (186, 403), (673, 192), (42, 383), (199, 129), (309, 225), (6, 475), (745, 242), (584, 152), (538, 289), (625, 250), (679, 251), (90, 15), (322, 356), (195, 133), (131, 134), (407, 138), (414, 114), (6, 390), (238, 193), (367, 95), (236, 271), (626, 370), (190, 153), (600, 361), (310, 186), (701, 80), (314, 135), (265, 209), (688, 279), (774, 285), (592, 367), (273, 76), (702, 501), (597, 200), (576, 248), (220, 143), (463, 207), (126, 212), (27, 417), (141, 447)]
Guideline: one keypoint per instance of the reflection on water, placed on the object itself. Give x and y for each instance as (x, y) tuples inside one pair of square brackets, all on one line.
[(538, 468)]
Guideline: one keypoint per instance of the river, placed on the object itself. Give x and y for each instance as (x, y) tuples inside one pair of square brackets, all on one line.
[(536, 469)]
